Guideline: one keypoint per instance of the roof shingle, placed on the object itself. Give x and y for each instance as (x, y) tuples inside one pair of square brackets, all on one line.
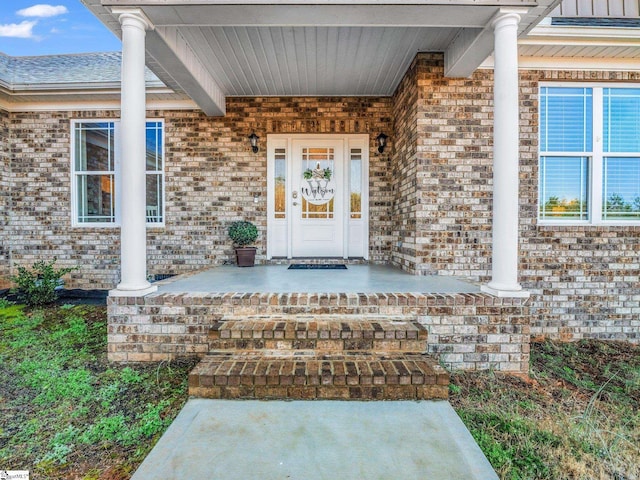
[(84, 68)]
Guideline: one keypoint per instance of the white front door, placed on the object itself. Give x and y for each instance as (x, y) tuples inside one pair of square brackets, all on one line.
[(317, 195), (317, 173)]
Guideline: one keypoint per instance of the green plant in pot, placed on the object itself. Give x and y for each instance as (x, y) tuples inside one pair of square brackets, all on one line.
[(243, 234)]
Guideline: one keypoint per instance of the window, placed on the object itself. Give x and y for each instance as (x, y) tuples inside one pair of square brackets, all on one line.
[(96, 172), (280, 181), (155, 169), (589, 155)]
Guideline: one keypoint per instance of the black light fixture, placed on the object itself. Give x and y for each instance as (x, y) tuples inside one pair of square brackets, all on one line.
[(253, 139), (382, 142)]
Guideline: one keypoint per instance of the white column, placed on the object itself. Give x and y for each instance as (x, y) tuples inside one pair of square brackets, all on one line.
[(133, 232), (506, 126)]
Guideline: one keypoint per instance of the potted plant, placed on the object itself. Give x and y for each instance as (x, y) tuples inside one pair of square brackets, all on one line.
[(244, 233)]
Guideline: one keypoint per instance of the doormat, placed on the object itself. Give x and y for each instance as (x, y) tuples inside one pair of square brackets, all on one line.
[(317, 266)]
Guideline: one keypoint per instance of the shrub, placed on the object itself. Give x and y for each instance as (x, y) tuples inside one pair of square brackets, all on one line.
[(243, 233), (37, 285)]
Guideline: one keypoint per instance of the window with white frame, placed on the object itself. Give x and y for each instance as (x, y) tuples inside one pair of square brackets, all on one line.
[(589, 154), (96, 172)]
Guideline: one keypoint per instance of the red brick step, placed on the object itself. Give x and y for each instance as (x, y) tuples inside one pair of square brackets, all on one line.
[(326, 333), (299, 374)]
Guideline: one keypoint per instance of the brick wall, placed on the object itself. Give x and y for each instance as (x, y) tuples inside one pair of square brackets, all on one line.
[(211, 178), (404, 169), (4, 196), (584, 281), (41, 198), (454, 174), (212, 175), (431, 191)]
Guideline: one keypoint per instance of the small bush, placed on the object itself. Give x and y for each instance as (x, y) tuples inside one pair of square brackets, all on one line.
[(243, 233), (37, 285)]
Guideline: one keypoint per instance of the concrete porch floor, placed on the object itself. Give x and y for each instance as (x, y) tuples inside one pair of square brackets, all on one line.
[(313, 440), (278, 279)]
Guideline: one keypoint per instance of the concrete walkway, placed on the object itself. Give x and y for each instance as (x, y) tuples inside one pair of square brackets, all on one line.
[(312, 440)]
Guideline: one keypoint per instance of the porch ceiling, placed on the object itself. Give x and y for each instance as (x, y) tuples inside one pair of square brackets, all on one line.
[(218, 48)]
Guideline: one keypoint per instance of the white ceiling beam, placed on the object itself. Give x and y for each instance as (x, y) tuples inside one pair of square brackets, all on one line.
[(169, 49), (472, 46), (467, 51)]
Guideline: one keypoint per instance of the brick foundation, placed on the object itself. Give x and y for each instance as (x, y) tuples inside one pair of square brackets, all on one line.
[(466, 331)]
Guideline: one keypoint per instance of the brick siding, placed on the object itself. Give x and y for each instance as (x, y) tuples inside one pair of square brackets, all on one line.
[(404, 169), (584, 280), (41, 202), (211, 178), (5, 203), (430, 194), (466, 331)]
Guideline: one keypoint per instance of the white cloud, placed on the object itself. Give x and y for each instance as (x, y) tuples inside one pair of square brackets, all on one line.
[(43, 10), (18, 30)]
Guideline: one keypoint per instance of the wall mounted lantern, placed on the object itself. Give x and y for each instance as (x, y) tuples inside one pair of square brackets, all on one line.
[(253, 139), (382, 142)]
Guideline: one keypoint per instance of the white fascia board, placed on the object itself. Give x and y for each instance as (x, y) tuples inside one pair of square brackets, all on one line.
[(78, 87), (177, 3), (92, 105), (543, 32), (572, 63), (345, 15)]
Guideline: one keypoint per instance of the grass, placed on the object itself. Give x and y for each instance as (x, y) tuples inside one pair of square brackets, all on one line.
[(65, 412), (577, 417)]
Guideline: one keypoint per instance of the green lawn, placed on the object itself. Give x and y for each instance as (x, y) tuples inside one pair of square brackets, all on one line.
[(577, 417), (65, 412)]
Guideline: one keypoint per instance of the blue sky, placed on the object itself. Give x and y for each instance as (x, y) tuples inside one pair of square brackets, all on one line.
[(44, 28)]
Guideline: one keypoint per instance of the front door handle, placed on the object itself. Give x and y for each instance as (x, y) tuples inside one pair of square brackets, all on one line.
[(295, 204)]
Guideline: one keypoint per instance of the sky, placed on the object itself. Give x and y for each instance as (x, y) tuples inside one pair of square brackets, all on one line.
[(32, 27)]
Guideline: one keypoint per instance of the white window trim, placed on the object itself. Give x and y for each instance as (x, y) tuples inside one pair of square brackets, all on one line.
[(595, 158), (117, 174)]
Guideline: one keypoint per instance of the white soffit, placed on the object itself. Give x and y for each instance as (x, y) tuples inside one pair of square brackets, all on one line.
[(311, 60), (591, 47), (217, 48)]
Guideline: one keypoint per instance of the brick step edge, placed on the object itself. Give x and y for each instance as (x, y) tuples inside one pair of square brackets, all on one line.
[(295, 392), (318, 329), (255, 375), (321, 345)]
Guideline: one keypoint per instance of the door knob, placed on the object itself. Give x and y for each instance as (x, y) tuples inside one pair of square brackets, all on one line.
[(295, 203)]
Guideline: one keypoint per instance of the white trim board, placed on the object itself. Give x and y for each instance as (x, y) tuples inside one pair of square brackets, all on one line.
[(89, 105), (572, 63)]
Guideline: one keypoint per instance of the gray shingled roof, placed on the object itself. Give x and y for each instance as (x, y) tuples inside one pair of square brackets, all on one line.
[(84, 68)]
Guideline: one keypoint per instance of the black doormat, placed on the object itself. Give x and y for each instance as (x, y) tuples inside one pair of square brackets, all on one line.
[(317, 266)]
